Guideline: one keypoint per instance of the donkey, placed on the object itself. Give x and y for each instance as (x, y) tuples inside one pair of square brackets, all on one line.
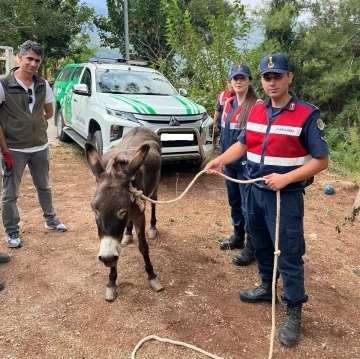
[(136, 160)]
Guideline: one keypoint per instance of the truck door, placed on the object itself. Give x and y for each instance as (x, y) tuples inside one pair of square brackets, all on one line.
[(80, 106), (68, 93)]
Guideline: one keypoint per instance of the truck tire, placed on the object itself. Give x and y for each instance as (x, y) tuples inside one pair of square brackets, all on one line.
[(60, 127), (97, 141)]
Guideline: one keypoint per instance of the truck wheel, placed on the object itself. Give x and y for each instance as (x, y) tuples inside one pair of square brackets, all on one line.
[(60, 126), (97, 141)]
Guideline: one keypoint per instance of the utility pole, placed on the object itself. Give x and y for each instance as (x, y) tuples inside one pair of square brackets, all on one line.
[(126, 25)]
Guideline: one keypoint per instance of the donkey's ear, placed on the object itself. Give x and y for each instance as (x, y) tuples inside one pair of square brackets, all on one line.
[(136, 161), (94, 160)]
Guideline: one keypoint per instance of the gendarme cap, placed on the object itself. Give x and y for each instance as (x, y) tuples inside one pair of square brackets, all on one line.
[(274, 63), (239, 70)]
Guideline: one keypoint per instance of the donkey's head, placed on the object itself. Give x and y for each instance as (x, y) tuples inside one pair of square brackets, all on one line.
[(111, 201)]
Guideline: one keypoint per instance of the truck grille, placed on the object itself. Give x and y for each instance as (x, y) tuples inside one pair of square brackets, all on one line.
[(164, 120)]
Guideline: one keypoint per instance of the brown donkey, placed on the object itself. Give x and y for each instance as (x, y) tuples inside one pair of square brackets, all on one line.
[(136, 160)]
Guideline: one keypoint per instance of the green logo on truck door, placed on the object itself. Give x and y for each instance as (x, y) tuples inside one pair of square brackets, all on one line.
[(68, 96)]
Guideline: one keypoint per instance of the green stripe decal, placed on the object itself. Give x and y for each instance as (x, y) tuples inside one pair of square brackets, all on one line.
[(197, 108), (145, 108), (148, 108), (184, 103), (128, 102), (139, 106), (190, 104)]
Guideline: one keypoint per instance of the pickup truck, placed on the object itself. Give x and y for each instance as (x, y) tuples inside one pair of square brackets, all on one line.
[(100, 101)]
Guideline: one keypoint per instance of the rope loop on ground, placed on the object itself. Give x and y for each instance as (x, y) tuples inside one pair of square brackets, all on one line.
[(141, 200), (165, 340)]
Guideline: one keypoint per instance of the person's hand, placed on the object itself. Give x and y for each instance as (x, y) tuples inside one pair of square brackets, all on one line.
[(9, 164), (216, 128), (276, 181), (213, 166), (8, 159)]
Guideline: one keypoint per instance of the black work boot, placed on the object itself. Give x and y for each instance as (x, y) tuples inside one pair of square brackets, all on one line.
[(235, 241), (289, 332), (246, 256), (262, 293)]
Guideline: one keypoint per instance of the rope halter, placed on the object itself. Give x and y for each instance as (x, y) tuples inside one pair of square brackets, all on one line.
[(135, 195)]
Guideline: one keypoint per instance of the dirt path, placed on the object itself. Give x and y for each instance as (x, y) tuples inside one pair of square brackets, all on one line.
[(53, 305)]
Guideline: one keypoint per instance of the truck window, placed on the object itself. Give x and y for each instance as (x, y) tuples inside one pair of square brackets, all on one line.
[(86, 79), (76, 74), (64, 76)]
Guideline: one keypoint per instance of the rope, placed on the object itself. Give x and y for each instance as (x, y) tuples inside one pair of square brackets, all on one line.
[(164, 340), (136, 195), (276, 255)]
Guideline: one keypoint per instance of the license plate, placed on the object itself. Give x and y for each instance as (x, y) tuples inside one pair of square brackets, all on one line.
[(177, 137)]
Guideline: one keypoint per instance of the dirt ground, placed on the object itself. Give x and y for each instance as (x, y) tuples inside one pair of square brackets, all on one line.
[(53, 305)]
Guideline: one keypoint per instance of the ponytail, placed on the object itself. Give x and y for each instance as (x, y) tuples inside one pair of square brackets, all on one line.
[(250, 100)]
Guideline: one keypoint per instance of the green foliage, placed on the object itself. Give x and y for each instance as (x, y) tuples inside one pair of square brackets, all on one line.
[(344, 147), (111, 29), (146, 29), (203, 58), (331, 59), (59, 26), (324, 54)]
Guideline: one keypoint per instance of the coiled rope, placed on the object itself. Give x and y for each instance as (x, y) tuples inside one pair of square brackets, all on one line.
[(141, 199), (164, 340)]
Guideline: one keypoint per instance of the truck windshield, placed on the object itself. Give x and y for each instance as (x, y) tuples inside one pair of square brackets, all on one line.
[(133, 82)]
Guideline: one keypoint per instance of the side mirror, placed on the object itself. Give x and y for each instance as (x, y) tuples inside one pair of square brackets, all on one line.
[(81, 89), (183, 92)]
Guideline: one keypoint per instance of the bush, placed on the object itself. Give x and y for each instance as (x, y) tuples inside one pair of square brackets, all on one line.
[(344, 145)]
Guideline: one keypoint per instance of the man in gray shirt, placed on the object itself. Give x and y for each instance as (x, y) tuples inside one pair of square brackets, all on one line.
[(25, 106)]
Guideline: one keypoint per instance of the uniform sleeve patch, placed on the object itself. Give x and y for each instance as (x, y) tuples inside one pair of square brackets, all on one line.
[(320, 124)]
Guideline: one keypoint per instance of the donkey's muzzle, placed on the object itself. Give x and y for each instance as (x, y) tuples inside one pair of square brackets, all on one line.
[(109, 251)]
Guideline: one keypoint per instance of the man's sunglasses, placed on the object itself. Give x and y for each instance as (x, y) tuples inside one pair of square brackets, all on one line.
[(30, 95)]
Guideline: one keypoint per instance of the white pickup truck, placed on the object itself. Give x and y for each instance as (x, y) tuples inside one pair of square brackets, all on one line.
[(6, 59), (99, 102)]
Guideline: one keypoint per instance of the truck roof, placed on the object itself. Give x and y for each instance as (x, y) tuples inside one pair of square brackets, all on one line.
[(115, 66)]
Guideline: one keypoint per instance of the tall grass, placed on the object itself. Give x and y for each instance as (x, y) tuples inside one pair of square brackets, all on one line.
[(344, 145)]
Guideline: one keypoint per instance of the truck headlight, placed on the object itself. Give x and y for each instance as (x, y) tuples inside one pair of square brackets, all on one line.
[(123, 115), (204, 119), (207, 127)]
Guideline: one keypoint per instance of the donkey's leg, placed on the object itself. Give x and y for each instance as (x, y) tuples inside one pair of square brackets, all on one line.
[(110, 294), (144, 250), (152, 229), (128, 237)]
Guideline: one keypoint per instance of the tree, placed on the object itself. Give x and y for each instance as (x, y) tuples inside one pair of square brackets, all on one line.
[(147, 26), (203, 60), (58, 25), (323, 52), (146, 29), (331, 60)]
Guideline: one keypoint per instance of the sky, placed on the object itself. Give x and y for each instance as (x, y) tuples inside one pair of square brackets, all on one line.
[(253, 3)]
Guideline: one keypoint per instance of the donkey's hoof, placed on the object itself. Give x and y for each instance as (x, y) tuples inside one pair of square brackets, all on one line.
[(110, 294), (152, 233), (127, 239), (155, 284)]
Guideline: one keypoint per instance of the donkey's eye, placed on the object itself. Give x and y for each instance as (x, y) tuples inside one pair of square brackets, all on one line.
[(122, 213)]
